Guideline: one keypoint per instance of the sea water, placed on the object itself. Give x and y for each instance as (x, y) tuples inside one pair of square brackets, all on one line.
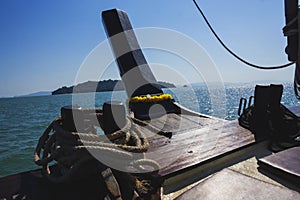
[(23, 119)]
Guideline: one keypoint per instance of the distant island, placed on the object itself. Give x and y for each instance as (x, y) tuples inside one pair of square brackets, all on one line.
[(100, 86), (36, 94)]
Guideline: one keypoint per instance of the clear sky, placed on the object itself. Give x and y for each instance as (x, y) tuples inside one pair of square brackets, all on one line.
[(44, 42)]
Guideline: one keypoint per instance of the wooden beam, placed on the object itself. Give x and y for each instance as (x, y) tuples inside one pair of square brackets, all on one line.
[(133, 67)]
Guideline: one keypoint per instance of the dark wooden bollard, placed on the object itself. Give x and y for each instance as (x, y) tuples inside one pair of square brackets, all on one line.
[(72, 118), (114, 116)]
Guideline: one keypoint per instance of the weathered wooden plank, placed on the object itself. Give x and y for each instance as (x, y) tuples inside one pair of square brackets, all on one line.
[(171, 123), (228, 184), (177, 123), (203, 121), (285, 164), (188, 148)]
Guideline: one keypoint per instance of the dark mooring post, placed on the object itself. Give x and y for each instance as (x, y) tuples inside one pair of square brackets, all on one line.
[(134, 70), (114, 116), (72, 118)]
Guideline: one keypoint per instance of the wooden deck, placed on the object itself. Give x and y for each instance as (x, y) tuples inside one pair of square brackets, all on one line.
[(195, 140)]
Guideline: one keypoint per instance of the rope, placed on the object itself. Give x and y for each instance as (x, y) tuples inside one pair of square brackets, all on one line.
[(234, 54), (70, 150)]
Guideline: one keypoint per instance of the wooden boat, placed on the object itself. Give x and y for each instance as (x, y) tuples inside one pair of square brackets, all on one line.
[(229, 164)]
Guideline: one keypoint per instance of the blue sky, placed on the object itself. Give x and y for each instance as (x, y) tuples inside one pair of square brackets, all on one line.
[(43, 43)]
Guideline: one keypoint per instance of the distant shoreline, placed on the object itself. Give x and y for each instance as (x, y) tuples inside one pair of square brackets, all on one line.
[(100, 86)]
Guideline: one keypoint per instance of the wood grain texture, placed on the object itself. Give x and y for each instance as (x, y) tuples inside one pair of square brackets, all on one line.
[(195, 140)]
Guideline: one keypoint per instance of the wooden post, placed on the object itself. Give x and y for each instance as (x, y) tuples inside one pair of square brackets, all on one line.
[(114, 116), (72, 118), (134, 69)]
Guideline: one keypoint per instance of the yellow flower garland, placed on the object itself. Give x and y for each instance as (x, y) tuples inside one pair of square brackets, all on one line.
[(149, 98)]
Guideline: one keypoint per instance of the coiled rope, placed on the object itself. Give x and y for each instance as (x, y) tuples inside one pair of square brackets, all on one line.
[(71, 150), (234, 54)]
